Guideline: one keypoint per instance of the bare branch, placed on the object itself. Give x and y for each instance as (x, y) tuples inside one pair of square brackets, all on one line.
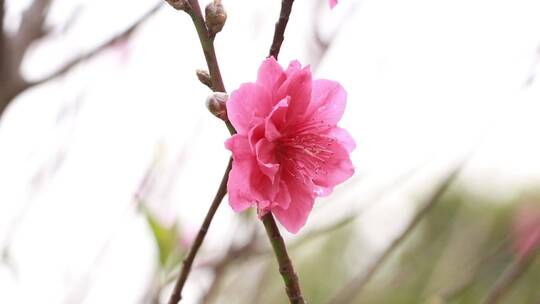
[(2, 35), (281, 24), (68, 66), (176, 295), (286, 269), (31, 29), (11, 84)]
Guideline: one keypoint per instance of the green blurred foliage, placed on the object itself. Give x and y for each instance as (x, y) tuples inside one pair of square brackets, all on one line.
[(455, 256), (167, 239)]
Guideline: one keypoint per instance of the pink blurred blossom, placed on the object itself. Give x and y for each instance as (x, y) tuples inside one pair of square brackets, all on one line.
[(526, 230), (332, 3), (288, 149)]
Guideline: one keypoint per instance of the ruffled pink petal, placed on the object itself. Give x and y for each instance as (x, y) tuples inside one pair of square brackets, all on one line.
[(336, 169), (328, 100), (294, 67), (240, 196), (266, 158), (298, 87), (332, 3), (248, 106), (254, 135), (343, 137), (270, 74), (239, 146), (283, 197), (275, 122), (247, 184), (295, 216)]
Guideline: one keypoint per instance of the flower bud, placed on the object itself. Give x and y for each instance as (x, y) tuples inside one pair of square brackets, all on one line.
[(178, 4), (216, 105), (215, 17), (204, 78)]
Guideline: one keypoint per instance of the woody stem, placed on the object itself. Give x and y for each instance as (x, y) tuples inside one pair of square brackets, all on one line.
[(285, 264)]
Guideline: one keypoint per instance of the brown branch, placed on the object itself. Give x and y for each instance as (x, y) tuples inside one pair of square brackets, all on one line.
[(285, 265), (188, 261), (206, 39), (68, 66), (2, 37), (510, 276), (207, 43), (31, 29), (2, 13), (349, 291), (286, 7)]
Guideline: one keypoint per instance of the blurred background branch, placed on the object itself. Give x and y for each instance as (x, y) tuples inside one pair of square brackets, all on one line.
[(31, 29), (355, 286)]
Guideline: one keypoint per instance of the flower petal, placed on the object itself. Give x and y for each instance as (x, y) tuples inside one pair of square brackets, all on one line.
[(343, 137), (298, 87), (283, 198), (270, 74), (295, 216), (332, 3), (336, 169), (240, 196), (239, 146), (328, 100), (248, 106), (275, 122), (247, 184), (266, 159)]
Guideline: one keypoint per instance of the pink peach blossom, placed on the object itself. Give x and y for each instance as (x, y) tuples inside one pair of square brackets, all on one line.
[(526, 229), (288, 149), (332, 3)]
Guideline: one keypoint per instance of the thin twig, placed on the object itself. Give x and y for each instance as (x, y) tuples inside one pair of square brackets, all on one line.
[(207, 44), (68, 66), (188, 261), (286, 7), (285, 264), (2, 39), (31, 29), (510, 276), (357, 283)]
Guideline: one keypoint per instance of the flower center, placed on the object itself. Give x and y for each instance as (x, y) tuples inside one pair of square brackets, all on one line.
[(304, 155)]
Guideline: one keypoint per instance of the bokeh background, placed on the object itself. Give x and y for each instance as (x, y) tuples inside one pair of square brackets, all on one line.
[(107, 166)]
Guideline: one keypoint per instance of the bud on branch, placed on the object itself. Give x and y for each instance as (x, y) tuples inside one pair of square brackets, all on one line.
[(216, 104), (180, 5), (215, 17), (204, 78)]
